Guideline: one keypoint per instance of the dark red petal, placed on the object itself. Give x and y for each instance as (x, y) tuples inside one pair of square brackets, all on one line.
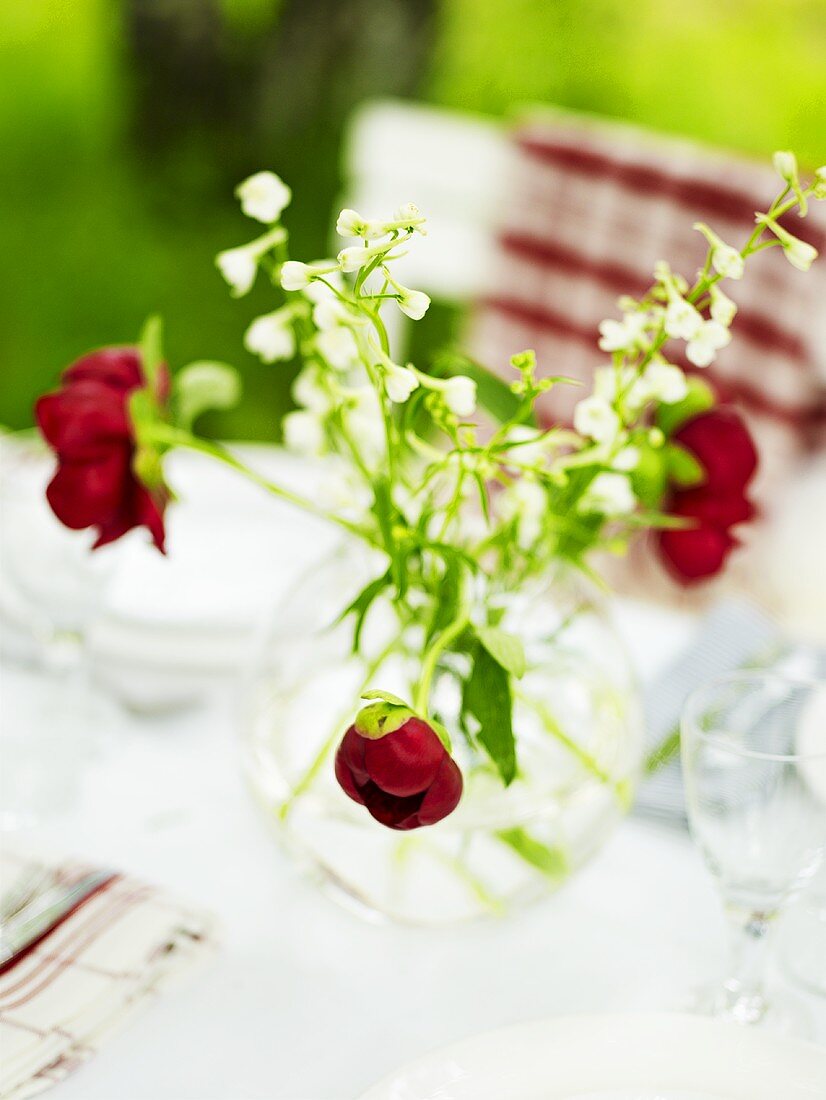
[(89, 493), (406, 761), (345, 778), (136, 508), (710, 508), (693, 554), (81, 423), (352, 753), (151, 509), (389, 809), (443, 796), (722, 444), (117, 368)]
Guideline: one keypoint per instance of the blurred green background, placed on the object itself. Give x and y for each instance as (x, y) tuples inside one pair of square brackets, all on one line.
[(125, 124)]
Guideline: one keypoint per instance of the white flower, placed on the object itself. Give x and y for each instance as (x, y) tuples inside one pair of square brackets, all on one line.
[(330, 312), (627, 333), (526, 502), (727, 261), (785, 164), (408, 216), (799, 254), (263, 196), (338, 346), (594, 418), (723, 310), (608, 382), (664, 382), (399, 382), (415, 303), (626, 459), (303, 432), (239, 267), (298, 276), (308, 391), (682, 320), (271, 337), (611, 383), (357, 255), (610, 494), (819, 183), (365, 421), (702, 350), (351, 224), (459, 395)]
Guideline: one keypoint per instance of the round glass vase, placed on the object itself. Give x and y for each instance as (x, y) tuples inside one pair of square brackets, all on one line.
[(576, 719)]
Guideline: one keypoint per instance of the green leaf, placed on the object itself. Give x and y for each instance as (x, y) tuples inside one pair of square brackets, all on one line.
[(552, 862), (494, 395), (205, 385), (649, 478), (386, 696), (361, 605), (150, 344), (487, 697), (441, 733), (506, 649), (447, 597), (379, 718), (699, 398), (683, 467)]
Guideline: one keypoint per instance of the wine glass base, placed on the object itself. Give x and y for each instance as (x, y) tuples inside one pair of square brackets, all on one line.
[(781, 1013)]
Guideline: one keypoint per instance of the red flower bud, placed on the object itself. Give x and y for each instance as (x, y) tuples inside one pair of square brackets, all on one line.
[(395, 764), (721, 443), (86, 422)]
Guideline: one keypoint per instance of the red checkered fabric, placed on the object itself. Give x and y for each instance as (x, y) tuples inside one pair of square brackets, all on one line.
[(592, 207)]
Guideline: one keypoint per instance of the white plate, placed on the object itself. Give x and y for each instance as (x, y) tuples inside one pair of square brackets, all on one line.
[(621, 1057)]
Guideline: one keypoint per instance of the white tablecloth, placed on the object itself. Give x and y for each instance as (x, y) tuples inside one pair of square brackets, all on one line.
[(307, 1002)]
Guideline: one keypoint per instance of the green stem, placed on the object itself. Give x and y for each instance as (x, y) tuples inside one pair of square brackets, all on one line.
[(175, 437), (317, 763), (588, 762), (448, 635)]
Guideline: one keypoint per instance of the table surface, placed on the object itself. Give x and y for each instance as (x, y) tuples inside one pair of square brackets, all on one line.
[(306, 1001)]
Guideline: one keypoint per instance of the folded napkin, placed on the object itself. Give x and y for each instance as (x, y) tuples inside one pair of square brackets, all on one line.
[(108, 958)]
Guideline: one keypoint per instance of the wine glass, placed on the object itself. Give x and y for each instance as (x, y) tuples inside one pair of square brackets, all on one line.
[(754, 760), (53, 590), (803, 938)]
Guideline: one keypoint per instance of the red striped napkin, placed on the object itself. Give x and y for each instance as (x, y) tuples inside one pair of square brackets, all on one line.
[(111, 956)]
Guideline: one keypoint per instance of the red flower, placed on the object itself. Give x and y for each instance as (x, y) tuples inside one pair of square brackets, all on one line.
[(86, 423), (721, 443), (405, 777)]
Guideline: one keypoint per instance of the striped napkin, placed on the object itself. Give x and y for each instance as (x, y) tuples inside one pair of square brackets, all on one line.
[(734, 635), (125, 944), (592, 205)]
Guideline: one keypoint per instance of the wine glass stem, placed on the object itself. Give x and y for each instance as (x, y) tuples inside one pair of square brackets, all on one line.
[(743, 995)]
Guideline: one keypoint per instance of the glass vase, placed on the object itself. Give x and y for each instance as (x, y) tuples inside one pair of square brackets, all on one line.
[(578, 735)]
